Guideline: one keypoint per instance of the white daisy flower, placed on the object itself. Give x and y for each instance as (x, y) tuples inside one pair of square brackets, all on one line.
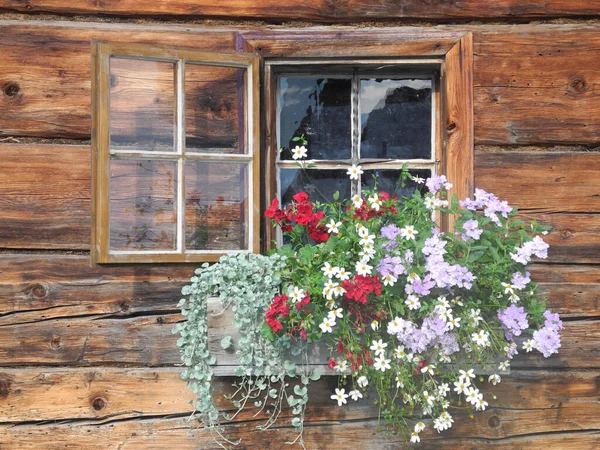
[(408, 232), (389, 280), (378, 347), (299, 152), (340, 396), (342, 274), (412, 302), (362, 381), (382, 364), (494, 379), (355, 394), (357, 201), (528, 345), (333, 227), (296, 294), (375, 325), (375, 202), (363, 268), (355, 172)]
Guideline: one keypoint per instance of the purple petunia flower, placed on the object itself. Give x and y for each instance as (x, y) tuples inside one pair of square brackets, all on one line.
[(436, 182), (514, 321), (472, 230), (547, 340), (519, 281)]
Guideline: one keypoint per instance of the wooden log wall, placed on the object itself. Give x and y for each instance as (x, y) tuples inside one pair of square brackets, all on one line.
[(87, 360)]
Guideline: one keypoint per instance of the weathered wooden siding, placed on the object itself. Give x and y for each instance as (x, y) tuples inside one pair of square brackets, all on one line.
[(87, 359), (315, 10)]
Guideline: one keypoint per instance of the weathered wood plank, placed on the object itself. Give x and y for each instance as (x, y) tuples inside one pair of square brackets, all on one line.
[(314, 10), (147, 340), (45, 196), (157, 434), (51, 394), (546, 401), (42, 287), (526, 87), (542, 182), (535, 85), (45, 201), (45, 75)]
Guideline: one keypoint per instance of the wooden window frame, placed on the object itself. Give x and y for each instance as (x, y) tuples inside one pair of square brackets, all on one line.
[(453, 51), (101, 152)]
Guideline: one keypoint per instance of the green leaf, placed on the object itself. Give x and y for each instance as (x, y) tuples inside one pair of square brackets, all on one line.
[(292, 401), (454, 204), (315, 375), (300, 391), (267, 332), (474, 256), (296, 422), (273, 393), (336, 195), (226, 342)]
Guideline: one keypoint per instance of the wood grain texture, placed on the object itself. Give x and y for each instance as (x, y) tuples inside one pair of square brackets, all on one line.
[(45, 201), (542, 182), (542, 400), (46, 70), (314, 10), (532, 83), (147, 341), (537, 84)]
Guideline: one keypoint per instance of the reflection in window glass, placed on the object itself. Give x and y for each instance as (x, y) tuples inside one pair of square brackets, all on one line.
[(142, 105), (395, 118), (213, 109), (319, 109), (142, 205), (216, 202), (389, 181), (322, 183)]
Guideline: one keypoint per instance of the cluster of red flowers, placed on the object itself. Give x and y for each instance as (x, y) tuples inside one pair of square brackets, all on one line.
[(360, 286), (302, 212), (278, 308), (366, 213), (354, 359)]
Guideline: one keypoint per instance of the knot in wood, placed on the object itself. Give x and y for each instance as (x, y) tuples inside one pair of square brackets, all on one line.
[(98, 404), (451, 127), (39, 290), (578, 85), (55, 343), (4, 388), (124, 306), (12, 89), (493, 421), (566, 234)]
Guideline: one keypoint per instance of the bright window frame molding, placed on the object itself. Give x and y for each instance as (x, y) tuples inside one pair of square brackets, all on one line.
[(101, 152)]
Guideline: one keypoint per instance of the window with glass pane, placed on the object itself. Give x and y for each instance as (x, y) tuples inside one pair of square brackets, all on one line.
[(175, 154), (377, 119)]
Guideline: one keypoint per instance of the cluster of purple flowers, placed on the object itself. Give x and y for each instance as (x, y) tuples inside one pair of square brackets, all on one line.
[(519, 281), (436, 182), (547, 340), (536, 247), (491, 205), (444, 274), (472, 230), (514, 321), (391, 265), (390, 232), (432, 333)]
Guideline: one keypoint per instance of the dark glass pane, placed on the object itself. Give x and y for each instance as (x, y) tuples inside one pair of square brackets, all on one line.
[(319, 108), (325, 181), (216, 203), (142, 205), (214, 113), (388, 180), (142, 105), (395, 119)]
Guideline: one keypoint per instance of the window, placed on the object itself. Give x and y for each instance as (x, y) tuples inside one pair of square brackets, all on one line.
[(178, 171), (175, 166), (376, 116)]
